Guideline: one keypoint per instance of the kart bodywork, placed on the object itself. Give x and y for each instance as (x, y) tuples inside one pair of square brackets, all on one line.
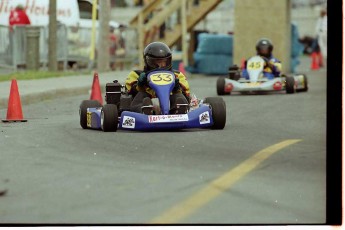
[(257, 82), (116, 114)]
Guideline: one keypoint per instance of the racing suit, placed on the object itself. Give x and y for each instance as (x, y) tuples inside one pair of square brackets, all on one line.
[(139, 93), (268, 72)]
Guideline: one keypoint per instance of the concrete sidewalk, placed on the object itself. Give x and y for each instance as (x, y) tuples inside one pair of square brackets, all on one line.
[(32, 91)]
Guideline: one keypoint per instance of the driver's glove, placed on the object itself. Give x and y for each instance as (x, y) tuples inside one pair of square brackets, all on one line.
[(142, 80), (268, 63), (177, 85)]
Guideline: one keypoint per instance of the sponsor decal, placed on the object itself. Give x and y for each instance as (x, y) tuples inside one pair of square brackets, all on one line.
[(88, 119), (204, 118), (167, 118), (128, 122), (253, 84)]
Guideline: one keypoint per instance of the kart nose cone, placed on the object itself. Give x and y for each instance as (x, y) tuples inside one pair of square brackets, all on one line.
[(277, 86), (228, 87)]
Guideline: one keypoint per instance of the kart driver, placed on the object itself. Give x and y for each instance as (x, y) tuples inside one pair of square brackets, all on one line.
[(273, 66), (157, 56)]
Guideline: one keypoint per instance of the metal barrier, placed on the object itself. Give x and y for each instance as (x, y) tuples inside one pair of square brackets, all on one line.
[(4, 45), (13, 46), (79, 45), (130, 35), (73, 45)]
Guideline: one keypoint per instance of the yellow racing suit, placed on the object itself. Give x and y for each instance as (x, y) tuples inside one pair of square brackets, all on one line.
[(133, 88)]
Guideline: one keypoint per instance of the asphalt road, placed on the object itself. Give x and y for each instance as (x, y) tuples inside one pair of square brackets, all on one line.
[(56, 172)]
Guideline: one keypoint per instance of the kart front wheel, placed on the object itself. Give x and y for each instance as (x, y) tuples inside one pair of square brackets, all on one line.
[(290, 85), (221, 86), (218, 111), (83, 110), (305, 88), (109, 118)]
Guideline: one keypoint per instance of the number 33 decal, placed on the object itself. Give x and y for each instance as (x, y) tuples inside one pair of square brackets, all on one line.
[(162, 78)]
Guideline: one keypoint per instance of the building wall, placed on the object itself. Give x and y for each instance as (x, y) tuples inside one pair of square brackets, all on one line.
[(262, 18), (221, 19)]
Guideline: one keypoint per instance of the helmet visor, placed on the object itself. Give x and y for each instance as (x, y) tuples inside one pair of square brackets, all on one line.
[(158, 63), (264, 51)]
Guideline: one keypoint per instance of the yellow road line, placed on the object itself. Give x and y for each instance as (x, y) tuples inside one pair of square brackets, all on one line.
[(216, 187)]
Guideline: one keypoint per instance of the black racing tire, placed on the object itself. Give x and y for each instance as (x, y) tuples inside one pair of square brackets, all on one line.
[(218, 111), (220, 86), (109, 118), (290, 85), (83, 110), (305, 89)]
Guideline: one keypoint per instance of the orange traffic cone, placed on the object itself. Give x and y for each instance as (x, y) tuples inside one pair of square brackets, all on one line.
[(96, 89), (181, 68), (14, 110), (314, 62)]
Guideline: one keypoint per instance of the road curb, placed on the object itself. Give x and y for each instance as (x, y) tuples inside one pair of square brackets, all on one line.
[(47, 95)]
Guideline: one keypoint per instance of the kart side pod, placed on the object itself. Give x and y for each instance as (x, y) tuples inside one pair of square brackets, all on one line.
[(115, 96), (113, 93)]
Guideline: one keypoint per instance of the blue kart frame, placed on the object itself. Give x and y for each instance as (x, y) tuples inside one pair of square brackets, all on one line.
[(207, 113)]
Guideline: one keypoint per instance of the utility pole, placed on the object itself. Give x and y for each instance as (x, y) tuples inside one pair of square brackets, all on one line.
[(93, 34), (103, 58), (52, 59)]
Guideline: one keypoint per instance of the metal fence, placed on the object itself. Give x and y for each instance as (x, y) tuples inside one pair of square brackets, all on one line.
[(73, 45), (13, 46)]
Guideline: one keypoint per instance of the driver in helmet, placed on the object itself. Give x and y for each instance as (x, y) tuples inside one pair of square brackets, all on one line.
[(273, 66), (157, 55)]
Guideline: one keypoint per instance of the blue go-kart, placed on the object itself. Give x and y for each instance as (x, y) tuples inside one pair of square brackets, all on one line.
[(116, 114)]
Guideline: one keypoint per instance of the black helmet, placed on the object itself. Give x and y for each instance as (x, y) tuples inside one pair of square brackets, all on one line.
[(264, 47), (155, 53)]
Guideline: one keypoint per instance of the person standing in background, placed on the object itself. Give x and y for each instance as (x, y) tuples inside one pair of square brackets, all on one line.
[(321, 34), (120, 47), (18, 16), (112, 47)]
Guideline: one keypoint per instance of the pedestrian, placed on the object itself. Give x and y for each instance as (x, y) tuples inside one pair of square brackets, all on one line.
[(112, 47), (17, 17), (120, 52), (321, 34)]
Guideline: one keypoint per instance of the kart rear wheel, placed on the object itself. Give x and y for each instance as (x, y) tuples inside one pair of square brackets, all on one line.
[(305, 89), (109, 118), (290, 84), (221, 86), (83, 110), (218, 111)]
